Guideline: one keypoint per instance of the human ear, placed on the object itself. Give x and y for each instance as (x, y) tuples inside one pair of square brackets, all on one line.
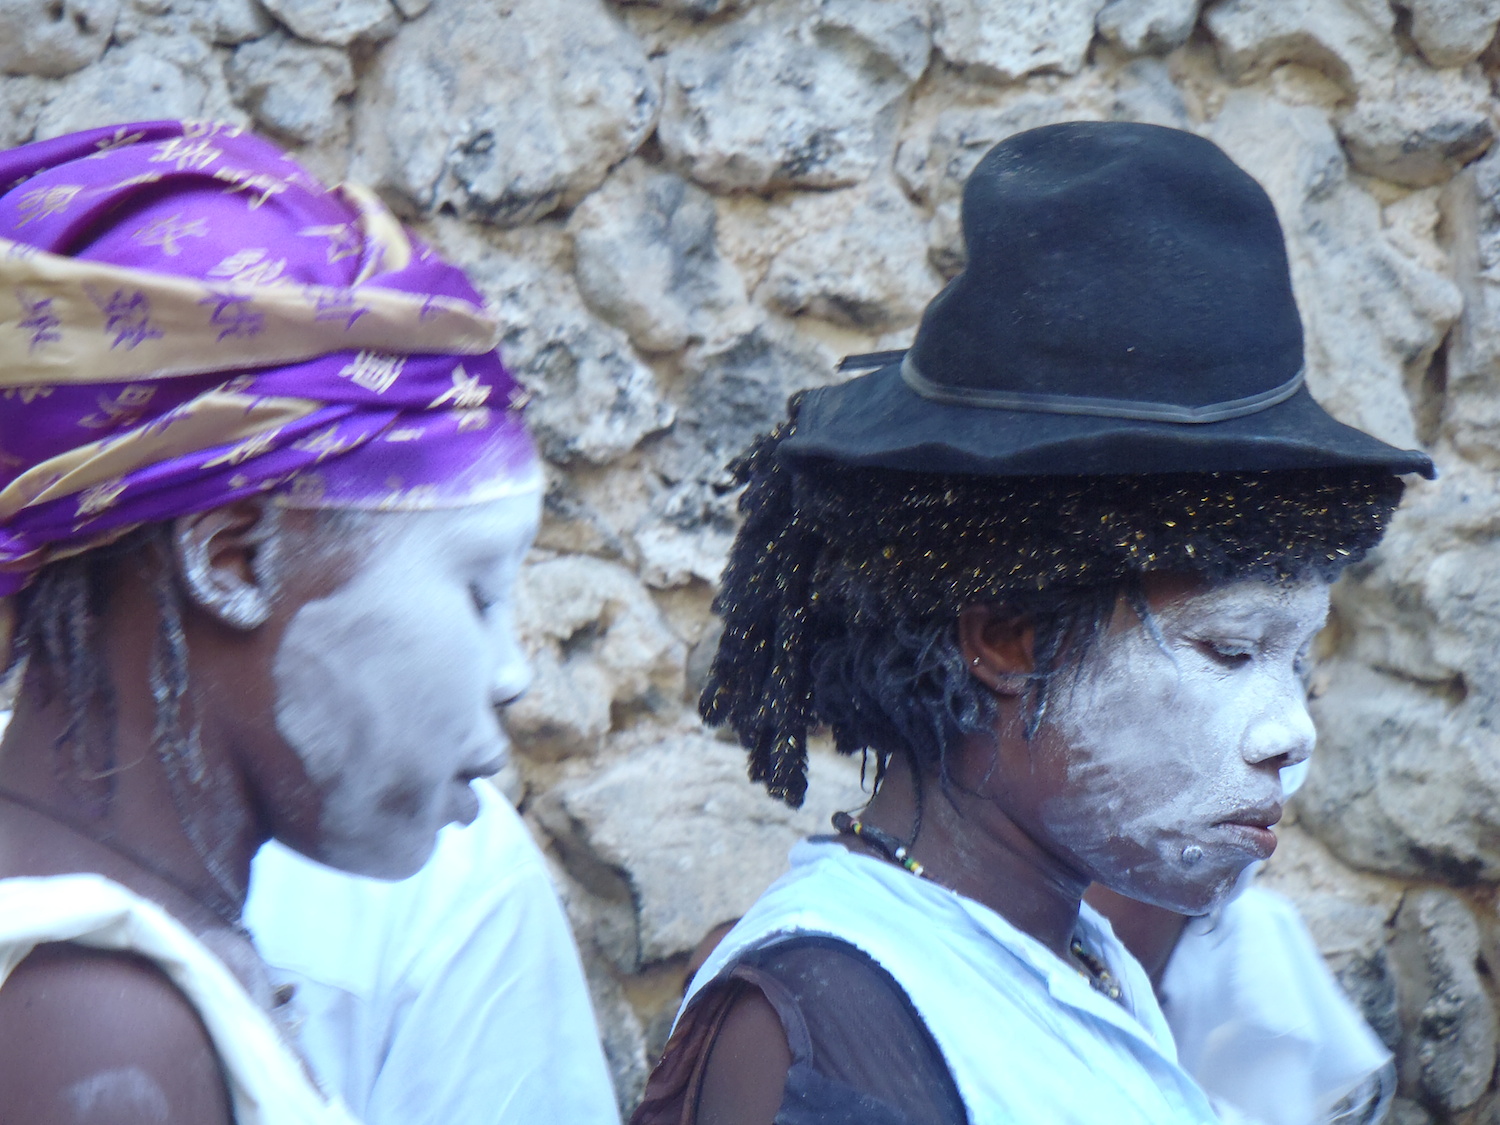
[(999, 647), (225, 558)]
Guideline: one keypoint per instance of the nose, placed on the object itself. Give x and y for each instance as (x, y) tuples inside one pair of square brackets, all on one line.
[(511, 674), (1283, 732)]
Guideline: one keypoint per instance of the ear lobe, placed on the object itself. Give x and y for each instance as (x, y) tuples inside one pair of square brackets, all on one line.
[(225, 559), (999, 648)]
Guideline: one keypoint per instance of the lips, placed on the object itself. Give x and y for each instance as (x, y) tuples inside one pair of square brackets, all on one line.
[(1250, 828), (483, 769), (1255, 816)]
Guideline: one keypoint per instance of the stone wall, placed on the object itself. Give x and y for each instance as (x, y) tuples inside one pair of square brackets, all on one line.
[(685, 209)]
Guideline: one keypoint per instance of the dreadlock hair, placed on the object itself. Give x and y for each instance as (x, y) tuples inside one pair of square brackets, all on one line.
[(843, 588), (57, 645)]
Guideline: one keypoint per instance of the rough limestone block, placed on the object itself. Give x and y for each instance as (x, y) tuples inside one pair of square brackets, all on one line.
[(51, 38), (293, 89), (900, 31), (729, 395), (693, 9), (752, 107), (236, 21), (1449, 1055), (1420, 127), (502, 113), (1373, 317), (21, 99), (1453, 32), (592, 399), (1404, 1111), (1149, 26), (1471, 213), (1407, 776), (645, 260), (687, 538), (598, 647), (868, 272), (696, 840), (1348, 40), (337, 23), (1009, 39), (148, 79), (1398, 790)]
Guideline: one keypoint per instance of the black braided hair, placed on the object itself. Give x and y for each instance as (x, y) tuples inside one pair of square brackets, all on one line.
[(57, 640), (761, 653), (56, 636), (842, 590)]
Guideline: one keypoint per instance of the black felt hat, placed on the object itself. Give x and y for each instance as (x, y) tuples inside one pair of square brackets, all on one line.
[(1126, 308)]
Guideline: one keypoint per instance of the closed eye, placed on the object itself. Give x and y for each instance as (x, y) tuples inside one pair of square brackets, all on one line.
[(482, 602), (1229, 653)]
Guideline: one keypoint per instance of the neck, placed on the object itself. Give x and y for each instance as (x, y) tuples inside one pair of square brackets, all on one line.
[(188, 850), (970, 845)]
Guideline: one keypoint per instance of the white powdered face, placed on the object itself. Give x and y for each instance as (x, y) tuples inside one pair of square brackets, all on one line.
[(1173, 742), (387, 689)]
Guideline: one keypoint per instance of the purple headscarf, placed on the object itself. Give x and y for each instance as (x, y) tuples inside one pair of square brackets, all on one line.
[(187, 317)]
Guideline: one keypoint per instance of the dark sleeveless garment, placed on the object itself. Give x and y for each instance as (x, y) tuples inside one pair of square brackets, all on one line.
[(860, 1052)]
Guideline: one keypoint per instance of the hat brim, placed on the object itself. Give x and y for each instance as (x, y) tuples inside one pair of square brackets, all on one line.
[(877, 421)]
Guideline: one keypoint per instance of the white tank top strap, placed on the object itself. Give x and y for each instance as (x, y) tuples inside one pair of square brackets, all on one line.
[(268, 1084)]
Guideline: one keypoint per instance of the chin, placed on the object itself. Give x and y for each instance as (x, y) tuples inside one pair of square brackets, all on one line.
[(1193, 899)]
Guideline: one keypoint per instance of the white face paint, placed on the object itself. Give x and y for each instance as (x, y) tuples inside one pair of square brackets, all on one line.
[(1173, 745), (387, 688), (125, 1090)]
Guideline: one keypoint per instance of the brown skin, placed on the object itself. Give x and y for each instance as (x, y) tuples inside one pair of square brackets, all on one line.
[(984, 838), (68, 1013), (1151, 933)]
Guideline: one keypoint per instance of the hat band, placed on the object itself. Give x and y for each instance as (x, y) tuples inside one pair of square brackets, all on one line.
[(1098, 407)]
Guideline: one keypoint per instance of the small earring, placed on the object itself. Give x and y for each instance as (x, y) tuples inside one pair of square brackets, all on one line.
[(975, 662)]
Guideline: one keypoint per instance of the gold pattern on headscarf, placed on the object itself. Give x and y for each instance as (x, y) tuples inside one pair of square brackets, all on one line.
[(185, 153), (373, 371), (169, 231), (124, 409), (42, 203), (466, 393)]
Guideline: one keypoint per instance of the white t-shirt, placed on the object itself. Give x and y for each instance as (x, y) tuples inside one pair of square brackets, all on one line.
[(455, 997), (1262, 1024)]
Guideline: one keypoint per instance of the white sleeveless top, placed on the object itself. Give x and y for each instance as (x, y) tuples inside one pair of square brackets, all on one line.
[(267, 1082), (1027, 1039)]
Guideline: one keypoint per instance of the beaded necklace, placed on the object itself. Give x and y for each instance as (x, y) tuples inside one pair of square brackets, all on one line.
[(1094, 970)]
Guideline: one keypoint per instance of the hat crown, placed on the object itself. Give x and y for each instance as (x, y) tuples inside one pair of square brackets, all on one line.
[(1113, 261)]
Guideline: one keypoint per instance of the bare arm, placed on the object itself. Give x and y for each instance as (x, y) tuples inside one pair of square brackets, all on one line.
[(745, 1076), (97, 1038)]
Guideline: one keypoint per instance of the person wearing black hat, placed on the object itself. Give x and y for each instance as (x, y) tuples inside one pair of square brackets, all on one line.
[(1055, 571)]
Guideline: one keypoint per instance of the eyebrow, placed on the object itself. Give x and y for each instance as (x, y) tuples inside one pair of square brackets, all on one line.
[(1238, 615)]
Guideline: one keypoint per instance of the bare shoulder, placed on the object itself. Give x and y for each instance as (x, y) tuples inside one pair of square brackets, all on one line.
[(90, 1037), (744, 1077)]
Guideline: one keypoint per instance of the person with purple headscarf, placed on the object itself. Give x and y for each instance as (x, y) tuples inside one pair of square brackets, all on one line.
[(264, 494)]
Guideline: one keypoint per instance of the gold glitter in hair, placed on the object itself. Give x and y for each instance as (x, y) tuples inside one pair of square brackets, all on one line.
[(825, 547)]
